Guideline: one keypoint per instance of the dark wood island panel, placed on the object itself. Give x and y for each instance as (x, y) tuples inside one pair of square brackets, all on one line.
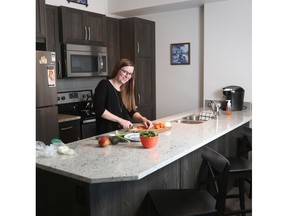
[(60, 195)]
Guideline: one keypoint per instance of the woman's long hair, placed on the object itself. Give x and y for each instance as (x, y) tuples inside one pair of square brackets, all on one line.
[(127, 90)]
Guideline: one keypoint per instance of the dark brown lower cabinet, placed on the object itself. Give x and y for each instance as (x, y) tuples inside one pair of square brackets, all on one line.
[(69, 131), (145, 88)]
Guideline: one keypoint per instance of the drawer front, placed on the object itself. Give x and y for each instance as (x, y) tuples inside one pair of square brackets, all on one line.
[(69, 131)]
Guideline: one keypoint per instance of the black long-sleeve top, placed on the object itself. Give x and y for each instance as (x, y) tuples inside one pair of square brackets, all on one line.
[(107, 97)]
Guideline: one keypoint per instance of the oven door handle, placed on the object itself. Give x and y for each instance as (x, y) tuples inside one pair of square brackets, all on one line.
[(89, 121)]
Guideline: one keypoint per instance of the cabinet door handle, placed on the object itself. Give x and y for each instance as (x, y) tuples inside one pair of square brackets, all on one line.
[(139, 98), (85, 32), (138, 47), (66, 128), (89, 35)]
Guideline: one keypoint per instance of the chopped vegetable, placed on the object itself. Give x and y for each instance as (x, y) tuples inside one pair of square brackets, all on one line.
[(141, 127), (159, 125), (148, 133), (124, 133), (167, 124)]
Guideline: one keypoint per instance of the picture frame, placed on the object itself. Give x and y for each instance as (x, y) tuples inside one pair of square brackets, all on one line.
[(180, 53), (83, 2)]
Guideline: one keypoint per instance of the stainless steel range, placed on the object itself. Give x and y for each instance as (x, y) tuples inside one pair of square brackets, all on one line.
[(79, 103)]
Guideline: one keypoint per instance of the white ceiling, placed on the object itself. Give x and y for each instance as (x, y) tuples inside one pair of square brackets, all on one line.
[(164, 8)]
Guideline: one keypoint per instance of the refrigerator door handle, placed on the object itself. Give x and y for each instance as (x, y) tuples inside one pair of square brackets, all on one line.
[(59, 68)]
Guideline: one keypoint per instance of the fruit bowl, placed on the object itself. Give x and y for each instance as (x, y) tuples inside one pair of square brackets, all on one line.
[(149, 139)]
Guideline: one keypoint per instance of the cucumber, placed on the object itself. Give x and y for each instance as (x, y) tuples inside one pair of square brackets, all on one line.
[(114, 140)]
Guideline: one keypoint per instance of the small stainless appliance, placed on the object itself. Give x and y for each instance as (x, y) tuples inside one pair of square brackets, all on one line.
[(84, 60), (79, 103), (236, 95), (46, 97)]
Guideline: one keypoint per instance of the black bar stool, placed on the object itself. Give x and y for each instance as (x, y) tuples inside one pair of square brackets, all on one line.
[(213, 174), (241, 170)]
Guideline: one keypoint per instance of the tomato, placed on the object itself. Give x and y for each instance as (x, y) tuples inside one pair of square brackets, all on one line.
[(141, 127)]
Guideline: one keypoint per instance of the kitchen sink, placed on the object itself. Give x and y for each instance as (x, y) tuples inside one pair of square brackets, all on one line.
[(192, 119), (184, 121)]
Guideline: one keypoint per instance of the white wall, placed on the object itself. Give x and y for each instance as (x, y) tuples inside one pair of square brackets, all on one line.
[(178, 87), (140, 7), (228, 47), (124, 5)]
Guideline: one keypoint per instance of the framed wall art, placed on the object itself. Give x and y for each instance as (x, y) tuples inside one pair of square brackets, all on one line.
[(180, 53), (83, 2)]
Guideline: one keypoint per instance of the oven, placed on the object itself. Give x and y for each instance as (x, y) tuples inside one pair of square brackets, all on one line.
[(79, 103), (88, 127)]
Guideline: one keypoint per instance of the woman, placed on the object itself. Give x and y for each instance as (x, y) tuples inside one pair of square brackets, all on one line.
[(114, 100)]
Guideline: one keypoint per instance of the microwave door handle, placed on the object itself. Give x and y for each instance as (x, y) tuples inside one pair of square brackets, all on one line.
[(101, 64)]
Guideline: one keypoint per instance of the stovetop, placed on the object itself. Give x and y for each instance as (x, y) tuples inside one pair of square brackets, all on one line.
[(76, 103), (74, 96)]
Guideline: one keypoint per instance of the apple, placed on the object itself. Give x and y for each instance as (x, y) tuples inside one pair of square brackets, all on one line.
[(104, 141)]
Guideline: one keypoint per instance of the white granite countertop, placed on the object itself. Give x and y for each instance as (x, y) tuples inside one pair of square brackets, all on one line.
[(65, 118), (130, 161)]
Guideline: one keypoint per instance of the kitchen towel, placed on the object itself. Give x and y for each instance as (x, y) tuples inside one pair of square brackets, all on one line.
[(206, 115)]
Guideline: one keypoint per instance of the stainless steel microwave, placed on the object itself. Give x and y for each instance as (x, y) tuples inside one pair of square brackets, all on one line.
[(84, 60)]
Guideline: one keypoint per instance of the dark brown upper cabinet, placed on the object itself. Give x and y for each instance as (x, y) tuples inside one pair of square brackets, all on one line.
[(52, 37), (82, 27), (113, 42), (137, 38), (40, 21)]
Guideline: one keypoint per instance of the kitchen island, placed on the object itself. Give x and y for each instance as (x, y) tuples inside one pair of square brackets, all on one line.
[(115, 180)]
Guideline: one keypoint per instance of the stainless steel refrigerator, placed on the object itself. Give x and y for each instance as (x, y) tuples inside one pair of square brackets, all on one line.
[(46, 97)]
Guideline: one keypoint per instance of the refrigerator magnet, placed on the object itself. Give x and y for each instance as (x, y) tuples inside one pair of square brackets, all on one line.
[(43, 60), (51, 76), (53, 56)]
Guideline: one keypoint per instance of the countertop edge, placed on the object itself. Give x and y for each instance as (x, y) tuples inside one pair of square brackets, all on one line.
[(66, 118)]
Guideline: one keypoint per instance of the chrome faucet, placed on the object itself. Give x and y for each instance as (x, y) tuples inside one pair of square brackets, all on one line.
[(215, 107)]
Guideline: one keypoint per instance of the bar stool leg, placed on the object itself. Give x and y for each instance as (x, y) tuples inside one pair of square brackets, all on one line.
[(242, 194)]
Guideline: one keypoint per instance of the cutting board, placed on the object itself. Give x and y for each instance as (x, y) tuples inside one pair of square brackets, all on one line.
[(160, 130)]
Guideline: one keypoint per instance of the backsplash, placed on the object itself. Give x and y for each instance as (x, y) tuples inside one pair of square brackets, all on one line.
[(70, 84), (247, 105)]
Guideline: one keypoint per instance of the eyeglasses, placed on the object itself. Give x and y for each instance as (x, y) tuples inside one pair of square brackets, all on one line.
[(126, 73)]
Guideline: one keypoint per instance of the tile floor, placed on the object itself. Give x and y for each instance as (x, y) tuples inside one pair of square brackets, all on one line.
[(235, 204)]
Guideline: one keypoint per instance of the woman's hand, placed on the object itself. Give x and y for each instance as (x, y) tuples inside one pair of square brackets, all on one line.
[(139, 118), (147, 123), (111, 117), (125, 124)]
